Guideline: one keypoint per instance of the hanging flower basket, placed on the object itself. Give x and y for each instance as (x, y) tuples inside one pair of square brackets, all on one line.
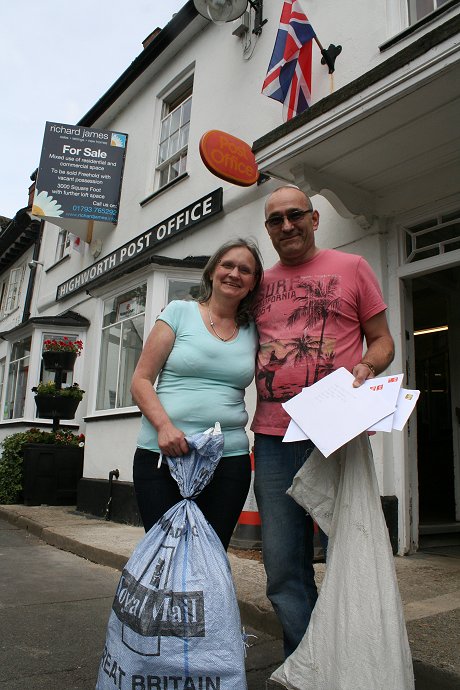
[(52, 406), (57, 403), (61, 354), (55, 361)]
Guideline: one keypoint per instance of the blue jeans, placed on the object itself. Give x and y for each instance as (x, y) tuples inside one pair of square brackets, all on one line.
[(287, 535)]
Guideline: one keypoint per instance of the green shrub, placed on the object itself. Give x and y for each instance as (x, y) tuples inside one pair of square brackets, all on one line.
[(11, 467), (11, 458)]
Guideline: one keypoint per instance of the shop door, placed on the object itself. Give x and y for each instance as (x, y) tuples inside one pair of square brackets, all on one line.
[(436, 315)]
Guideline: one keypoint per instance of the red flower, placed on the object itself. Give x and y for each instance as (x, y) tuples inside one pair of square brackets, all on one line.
[(64, 345)]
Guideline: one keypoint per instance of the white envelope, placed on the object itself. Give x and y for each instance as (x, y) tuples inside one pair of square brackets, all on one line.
[(391, 387), (407, 400), (331, 412), (294, 433)]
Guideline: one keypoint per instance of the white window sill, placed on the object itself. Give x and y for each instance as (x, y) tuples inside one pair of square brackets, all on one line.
[(119, 412), (165, 188)]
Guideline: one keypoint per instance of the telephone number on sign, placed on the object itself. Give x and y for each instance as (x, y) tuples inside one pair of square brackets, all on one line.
[(92, 209)]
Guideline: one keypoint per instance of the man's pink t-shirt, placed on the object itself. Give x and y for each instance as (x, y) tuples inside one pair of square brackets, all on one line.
[(309, 319)]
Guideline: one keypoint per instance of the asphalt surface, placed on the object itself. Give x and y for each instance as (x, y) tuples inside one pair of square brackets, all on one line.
[(429, 584), (54, 608), (54, 612)]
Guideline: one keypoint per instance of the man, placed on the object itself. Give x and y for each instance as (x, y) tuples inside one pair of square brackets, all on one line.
[(314, 307)]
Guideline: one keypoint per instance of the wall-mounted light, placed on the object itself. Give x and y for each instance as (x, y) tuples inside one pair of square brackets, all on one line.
[(221, 11), (32, 264), (436, 329)]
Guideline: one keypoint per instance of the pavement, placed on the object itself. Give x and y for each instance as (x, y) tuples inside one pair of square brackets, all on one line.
[(429, 581)]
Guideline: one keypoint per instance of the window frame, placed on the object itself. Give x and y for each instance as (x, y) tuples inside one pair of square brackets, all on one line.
[(119, 291), (422, 239), (62, 245), (3, 291), (156, 299), (412, 10), (12, 362), (175, 100), (2, 382), (11, 291), (400, 26), (68, 377)]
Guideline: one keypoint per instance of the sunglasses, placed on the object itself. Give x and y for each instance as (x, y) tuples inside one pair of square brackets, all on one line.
[(275, 222)]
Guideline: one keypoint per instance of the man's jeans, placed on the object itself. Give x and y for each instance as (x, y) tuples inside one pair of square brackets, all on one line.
[(287, 535)]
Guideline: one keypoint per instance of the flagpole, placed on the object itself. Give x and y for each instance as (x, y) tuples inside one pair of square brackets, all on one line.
[(293, 88), (329, 55)]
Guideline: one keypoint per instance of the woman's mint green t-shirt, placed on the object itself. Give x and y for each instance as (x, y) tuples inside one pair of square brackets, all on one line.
[(204, 379)]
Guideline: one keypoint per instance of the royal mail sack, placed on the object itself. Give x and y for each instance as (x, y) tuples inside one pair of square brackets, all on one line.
[(175, 622)]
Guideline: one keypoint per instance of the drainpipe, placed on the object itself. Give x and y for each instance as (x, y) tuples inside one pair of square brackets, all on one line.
[(33, 273), (112, 474)]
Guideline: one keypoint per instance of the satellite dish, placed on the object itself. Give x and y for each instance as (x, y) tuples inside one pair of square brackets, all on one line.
[(221, 11)]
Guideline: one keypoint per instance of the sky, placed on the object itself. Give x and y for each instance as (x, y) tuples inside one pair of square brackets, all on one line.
[(57, 58)]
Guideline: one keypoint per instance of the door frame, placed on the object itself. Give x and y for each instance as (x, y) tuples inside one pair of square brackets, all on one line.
[(406, 273)]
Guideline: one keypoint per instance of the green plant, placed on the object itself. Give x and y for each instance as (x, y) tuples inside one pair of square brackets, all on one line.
[(11, 467), (59, 438), (64, 345), (49, 388), (11, 458)]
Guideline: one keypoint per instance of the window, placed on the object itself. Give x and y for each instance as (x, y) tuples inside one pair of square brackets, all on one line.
[(174, 133), (3, 290), (2, 376), (67, 376), (420, 8), (433, 237), (183, 289), (10, 291), (17, 380), (122, 341), (63, 244)]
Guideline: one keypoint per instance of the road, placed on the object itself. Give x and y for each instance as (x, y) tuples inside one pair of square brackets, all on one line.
[(54, 608)]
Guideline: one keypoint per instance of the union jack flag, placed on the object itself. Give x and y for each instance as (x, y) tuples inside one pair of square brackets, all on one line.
[(288, 77)]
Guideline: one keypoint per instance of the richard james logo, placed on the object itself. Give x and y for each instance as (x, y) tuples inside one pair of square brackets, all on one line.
[(118, 139)]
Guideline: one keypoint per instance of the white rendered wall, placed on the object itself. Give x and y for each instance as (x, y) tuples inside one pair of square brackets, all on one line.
[(226, 96)]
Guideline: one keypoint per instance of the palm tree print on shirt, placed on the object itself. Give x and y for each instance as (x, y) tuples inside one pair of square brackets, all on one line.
[(304, 348), (319, 303)]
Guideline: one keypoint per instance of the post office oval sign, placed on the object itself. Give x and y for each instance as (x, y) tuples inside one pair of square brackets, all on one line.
[(229, 158)]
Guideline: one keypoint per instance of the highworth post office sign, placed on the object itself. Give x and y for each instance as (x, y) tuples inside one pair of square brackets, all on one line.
[(185, 219), (79, 176)]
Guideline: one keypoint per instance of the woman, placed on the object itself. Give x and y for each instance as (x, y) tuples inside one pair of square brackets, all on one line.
[(203, 354)]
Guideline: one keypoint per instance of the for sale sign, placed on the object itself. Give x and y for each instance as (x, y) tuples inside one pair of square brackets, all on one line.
[(79, 177)]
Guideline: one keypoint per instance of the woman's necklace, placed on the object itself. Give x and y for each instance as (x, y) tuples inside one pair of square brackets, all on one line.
[(224, 340)]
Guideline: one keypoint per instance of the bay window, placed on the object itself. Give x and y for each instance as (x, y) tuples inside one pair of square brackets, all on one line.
[(18, 373), (121, 346)]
